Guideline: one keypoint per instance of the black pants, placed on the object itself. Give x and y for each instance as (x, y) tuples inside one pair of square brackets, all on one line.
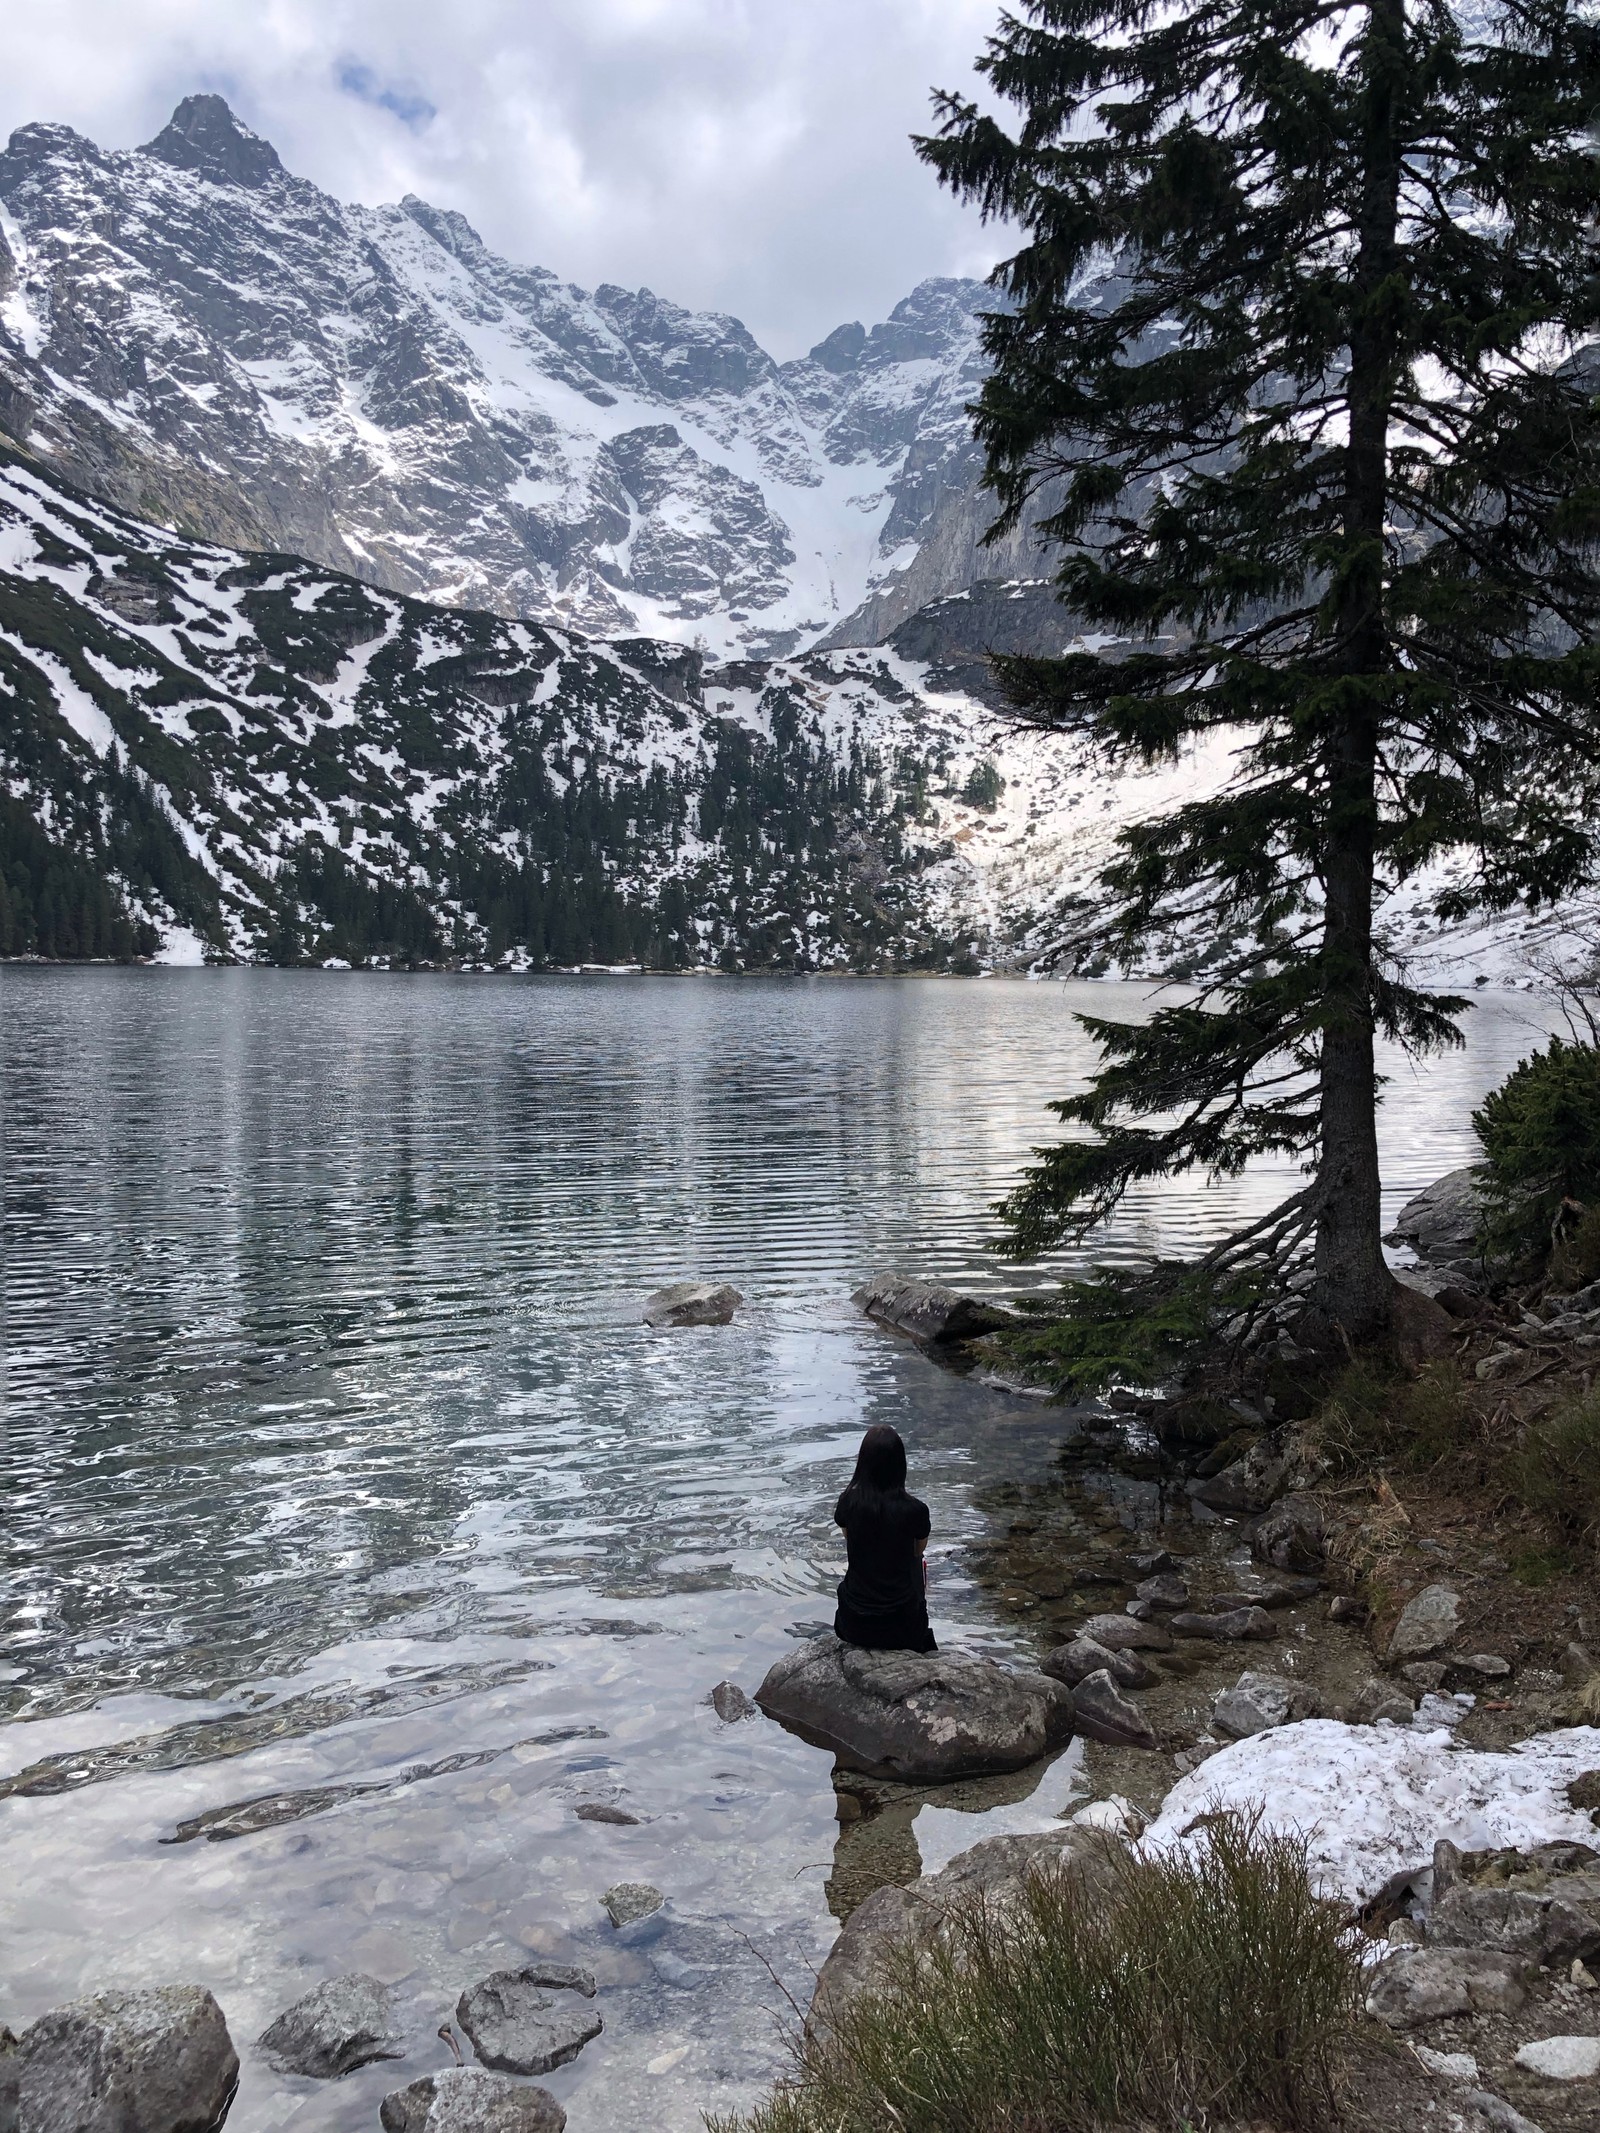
[(905, 1630)]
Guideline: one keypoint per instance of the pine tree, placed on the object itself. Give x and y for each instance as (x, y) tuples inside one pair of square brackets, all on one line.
[(1296, 348)]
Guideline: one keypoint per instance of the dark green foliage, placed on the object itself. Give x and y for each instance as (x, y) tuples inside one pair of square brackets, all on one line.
[(1540, 1134), (1198, 1988), (983, 788), (1124, 1327), (477, 797), (1310, 453), (1555, 1470), (54, 903)]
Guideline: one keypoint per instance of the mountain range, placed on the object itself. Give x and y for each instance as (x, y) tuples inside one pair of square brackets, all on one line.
[(365, 598), (211, 343)]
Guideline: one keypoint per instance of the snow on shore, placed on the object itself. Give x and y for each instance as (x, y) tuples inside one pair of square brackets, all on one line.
[(1371, 1800)]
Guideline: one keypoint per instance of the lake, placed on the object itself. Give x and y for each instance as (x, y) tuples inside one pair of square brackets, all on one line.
[(342, 1479)]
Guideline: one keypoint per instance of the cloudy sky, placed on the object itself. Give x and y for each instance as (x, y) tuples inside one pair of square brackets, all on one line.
[(738, 155)]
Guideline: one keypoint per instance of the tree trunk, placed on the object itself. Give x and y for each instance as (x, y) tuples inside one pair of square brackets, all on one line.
[(1354, 1287)]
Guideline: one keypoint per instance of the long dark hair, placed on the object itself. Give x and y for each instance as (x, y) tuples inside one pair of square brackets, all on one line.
[(880, 1468)]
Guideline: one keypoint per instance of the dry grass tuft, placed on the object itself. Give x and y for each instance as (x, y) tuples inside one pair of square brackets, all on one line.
[(1205, 1989)]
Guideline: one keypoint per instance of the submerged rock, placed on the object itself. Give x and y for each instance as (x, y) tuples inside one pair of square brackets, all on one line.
[(1427, 1984), (519, 2027), (1103, 1713), (692, 1303), (339, 2025), (926, 1311), (1426, 1624), (1074, 1662), (919, 1716), (157, 2061), (1257, 1702), (464, 2099)]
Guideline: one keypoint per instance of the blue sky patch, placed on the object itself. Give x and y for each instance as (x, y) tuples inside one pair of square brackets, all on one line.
[(412, 110)]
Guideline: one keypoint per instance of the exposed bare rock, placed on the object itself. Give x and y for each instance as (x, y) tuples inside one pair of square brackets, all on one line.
[(1103, 1713), (156, 2061), (464, 2099), (926, 1311), (339, 2025), (1426, 1984), (920, 1716), (692, 1303)]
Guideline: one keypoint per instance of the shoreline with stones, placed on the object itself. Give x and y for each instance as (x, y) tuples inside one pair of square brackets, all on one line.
[(1223, 1627)]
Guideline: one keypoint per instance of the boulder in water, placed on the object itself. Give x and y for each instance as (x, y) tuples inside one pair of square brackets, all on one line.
[(519, 2027), (692, 1303), (156, 2061), (341, 2024), (731, 1703), (923, 1717), (464, 2099), (926, 1311)]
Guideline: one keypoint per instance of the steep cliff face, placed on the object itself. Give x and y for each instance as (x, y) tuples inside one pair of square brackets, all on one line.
[(204, 339)]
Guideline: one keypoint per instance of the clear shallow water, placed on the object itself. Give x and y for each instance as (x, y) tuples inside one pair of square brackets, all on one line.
[(340, 1471)]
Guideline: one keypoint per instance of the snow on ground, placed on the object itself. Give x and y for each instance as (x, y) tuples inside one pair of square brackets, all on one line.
[(1371, 1800)]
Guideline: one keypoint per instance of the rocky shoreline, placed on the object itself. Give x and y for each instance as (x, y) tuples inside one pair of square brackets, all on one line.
[(1222, 1627)]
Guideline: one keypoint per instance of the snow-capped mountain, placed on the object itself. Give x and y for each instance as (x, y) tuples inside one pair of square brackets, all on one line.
[(204, 752), (198, 336)]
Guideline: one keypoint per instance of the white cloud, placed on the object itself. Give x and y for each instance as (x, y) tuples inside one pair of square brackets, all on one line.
[(740, 155)]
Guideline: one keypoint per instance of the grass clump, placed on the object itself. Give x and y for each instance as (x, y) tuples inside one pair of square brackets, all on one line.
[(1377, 1416), (1192, 1989), (1555, 1470)]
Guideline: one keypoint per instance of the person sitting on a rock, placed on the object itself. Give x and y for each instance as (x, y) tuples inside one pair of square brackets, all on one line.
[(883, 1595)]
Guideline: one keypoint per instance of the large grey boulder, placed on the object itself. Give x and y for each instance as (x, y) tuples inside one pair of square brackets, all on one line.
[(1124, 1633), (1101, 1712), (1257, 1703), (519, 2027), (993, 1874), (692, 1303), (919, 1716), (1076, 1661), (1542, 1906), (1292, 1535), (1269, 1468), (156, 2061), (927, 1311), (339, 2025), (1426, 1624), (464, 2099), (1426, 1984), (1443, 1222)]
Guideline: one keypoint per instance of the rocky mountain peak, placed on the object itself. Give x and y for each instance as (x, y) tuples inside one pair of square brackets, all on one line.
[(191, 328), (204, 135)]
